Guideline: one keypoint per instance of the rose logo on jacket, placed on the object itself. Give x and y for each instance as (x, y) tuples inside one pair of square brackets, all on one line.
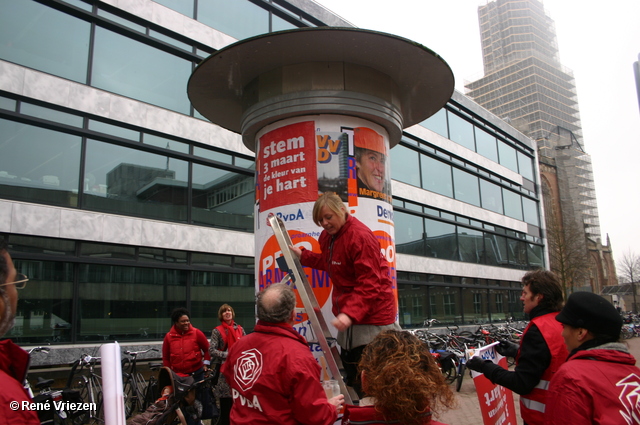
[(248, 368)]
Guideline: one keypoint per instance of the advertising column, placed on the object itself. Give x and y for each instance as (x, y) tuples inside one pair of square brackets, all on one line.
[(298, 159)]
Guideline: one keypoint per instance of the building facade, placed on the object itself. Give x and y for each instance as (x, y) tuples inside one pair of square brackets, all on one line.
[(525, 84), (121, 203)]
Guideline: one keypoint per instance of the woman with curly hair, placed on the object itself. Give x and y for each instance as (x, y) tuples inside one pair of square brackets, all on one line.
[(402, 382)]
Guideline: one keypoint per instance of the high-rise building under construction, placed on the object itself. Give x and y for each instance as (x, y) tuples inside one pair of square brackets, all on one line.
[(525, 84)]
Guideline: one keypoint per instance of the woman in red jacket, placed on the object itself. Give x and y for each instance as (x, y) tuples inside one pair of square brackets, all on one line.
[(363, 300), (185, 349)]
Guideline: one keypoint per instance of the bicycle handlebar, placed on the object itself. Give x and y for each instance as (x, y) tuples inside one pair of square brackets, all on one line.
[(135, 353), (39, 349)]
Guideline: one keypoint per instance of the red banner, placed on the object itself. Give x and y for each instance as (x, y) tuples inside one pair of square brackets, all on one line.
[(496, 402)]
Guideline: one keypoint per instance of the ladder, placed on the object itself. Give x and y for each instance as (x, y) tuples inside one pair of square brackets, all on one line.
[(311, 307)]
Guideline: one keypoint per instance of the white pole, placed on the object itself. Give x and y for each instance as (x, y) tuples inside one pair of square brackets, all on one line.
[(112, 392)]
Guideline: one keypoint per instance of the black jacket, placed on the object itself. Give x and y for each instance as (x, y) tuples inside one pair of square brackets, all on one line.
[(535, 358)]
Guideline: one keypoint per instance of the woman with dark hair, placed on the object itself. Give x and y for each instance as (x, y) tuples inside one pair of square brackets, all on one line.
[(402, 381), (185, 349), (222, 339)]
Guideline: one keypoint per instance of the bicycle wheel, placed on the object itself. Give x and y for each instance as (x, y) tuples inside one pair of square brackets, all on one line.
[(129, 398), (463, 367), (81, 384)]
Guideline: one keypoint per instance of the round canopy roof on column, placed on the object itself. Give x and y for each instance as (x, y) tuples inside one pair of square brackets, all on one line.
[(348, 71)]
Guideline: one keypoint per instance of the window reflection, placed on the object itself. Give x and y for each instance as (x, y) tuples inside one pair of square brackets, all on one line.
[(404, 165), (437, 122), (491, 196), (44, 306), (238, 18), (40, 37), (131, 182), (461, 131), (222, 198), (144, 73), (39, 165), (436, 176), (507, 156), (486, 145), (124, 303), (466, 187)]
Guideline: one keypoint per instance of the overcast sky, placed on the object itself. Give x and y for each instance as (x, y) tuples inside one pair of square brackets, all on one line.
[(598, 41)]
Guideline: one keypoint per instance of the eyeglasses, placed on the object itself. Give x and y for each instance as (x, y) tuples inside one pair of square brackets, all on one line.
[(20, 282)]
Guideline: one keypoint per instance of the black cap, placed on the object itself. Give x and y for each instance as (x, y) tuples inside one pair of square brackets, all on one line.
[(592, 312)]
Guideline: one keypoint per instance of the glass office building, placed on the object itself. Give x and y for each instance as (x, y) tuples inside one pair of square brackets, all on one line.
[(120, 202)]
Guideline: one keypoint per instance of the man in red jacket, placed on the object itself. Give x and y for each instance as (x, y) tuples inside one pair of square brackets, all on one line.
[(599, 383), (14, 361), (541, 351), (273, 376)]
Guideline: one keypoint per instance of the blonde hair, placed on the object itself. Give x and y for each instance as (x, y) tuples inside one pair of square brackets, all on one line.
[(331, 201)]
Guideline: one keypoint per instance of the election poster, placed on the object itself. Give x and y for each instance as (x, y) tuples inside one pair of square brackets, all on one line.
[(298, 159), (496, 401)]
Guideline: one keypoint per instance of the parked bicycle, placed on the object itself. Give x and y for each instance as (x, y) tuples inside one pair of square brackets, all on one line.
[(136, 388), (84, 378), (59, 401)]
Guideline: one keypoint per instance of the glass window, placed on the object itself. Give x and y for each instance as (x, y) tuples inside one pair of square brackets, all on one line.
[(409, 233), (279, 24), (144, 73), (405, 166), (471, 246), (44, 305), (486, 144), (213, 155), (238, 18), (114, 130), (182, 6), (461, 131), (491, 195), (466, 187), (440, 240), (8, 104), (162, 255), (97, 250), (35, 244), (125, 303), (222, 198), (517, 253), (116, 181), (436, 176), (437, 123), (525, 164), (43, 38), (507, 156), (39, 165), (495, 250), (530, 208), (535, 256), (512, 204), (449, 306), (161, 142), (51, 114)]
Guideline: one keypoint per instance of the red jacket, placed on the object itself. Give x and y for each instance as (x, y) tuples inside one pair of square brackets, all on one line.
[(367, 415), (362, 287), (14, 364), (532, 405), (275, 379), (184, 352), (596, 386)]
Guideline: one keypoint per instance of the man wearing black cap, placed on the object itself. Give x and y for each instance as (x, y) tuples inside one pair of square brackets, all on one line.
[(541, 352), (599, 383)]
